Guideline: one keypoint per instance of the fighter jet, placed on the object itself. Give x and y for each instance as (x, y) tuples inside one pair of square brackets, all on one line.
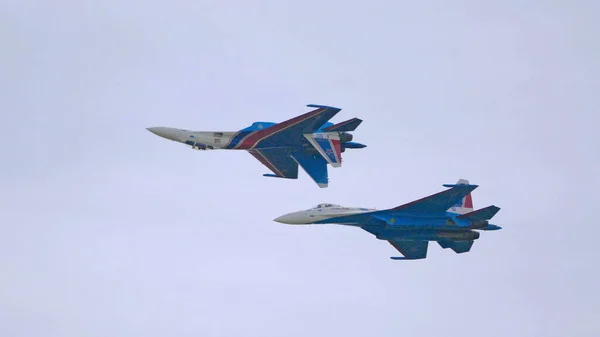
[(446, 217), (308, 140)]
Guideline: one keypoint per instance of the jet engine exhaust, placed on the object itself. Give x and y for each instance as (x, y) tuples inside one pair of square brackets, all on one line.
[(346, 137)]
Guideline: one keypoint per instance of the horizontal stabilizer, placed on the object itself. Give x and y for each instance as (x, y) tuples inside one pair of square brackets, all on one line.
[(481, 214), (457, 246), (349, 125)]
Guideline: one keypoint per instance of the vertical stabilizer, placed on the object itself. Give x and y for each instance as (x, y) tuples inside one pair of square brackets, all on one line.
[(465, 205), (329, 146)]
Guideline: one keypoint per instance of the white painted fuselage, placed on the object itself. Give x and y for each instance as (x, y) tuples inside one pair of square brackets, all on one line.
[(321, 213), (199, 140)]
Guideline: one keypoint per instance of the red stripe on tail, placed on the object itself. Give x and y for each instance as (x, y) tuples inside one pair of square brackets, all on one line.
[(468, 201)]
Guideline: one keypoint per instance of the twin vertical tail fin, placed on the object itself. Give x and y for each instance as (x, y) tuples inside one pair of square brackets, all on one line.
[(467, 217), (328, 144), (465, 205), (332, 140)]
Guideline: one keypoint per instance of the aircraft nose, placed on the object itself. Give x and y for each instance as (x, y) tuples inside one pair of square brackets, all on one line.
[(282, 219), (290, 219), (168, 133)]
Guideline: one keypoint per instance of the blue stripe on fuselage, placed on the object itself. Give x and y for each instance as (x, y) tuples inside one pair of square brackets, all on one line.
[(237, 138)]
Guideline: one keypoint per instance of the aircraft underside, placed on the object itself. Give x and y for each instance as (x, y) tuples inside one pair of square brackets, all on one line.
[(308, 140), (426, 234)]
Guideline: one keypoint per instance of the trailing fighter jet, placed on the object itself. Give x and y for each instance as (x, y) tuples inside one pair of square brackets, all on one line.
[(308, 140), (446, 217)]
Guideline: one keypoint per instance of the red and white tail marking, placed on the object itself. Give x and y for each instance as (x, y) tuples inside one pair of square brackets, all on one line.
[(328, 145), (466, 204)]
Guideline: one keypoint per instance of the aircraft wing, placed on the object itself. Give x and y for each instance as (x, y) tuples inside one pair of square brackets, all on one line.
[(291, 131), (436, 203), (277, 160), (412, 250)]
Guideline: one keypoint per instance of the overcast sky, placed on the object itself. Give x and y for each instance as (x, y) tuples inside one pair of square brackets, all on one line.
[(109, 230)]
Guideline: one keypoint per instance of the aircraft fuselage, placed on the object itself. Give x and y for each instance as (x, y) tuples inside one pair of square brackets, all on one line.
[(430, 228), (198, 140), (232, 140), (309, 141)]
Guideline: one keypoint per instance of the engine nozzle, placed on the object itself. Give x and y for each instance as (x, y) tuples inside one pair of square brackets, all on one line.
[(346, 137)]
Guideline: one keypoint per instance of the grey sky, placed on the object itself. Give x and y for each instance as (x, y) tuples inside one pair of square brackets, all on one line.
[(108, 230)]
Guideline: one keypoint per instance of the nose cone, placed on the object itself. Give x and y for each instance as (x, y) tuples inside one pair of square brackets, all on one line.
[(168, 133), (291, 219), (282, 219)]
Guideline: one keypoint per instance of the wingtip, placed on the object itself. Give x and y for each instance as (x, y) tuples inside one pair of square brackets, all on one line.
[(319, 106), (461, 185)]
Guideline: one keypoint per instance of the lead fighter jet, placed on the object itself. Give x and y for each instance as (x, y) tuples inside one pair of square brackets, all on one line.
[(446, 217), (308, 140)]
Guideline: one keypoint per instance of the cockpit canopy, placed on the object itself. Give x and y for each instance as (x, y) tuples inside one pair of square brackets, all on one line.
[(325, 206)]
